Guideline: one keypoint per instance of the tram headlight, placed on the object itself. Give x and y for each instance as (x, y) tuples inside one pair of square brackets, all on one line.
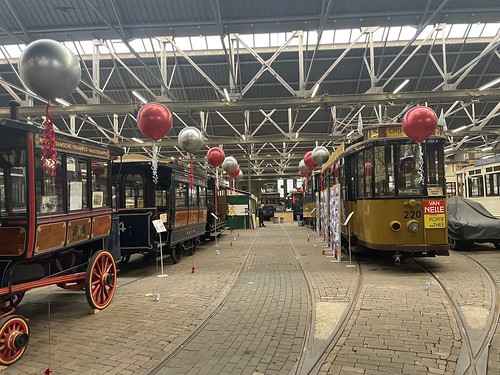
[(395, 225), (413, 226)]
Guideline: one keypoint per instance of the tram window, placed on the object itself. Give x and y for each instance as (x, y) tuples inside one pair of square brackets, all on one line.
[(408, 177), (134, 191), (76, 169), (13, 182), (368, 168), (460, 184), (360, 174), (100, 181), (492, 184), (384, 171), (434, 163), (193, 197), (451, 189), (203, 195), (350, 169), (476, 186), (161, 197), (181, 190), (49, 190)]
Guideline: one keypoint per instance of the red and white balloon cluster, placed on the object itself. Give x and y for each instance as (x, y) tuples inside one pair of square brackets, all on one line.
[(419, 123), (312, 159), (230, 165), (154, 121)]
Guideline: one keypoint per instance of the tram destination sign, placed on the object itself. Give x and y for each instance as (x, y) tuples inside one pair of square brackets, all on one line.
[(434, 214), (75, 147)]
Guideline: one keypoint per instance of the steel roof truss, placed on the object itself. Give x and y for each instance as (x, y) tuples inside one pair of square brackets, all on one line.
[(266, 65), (194, 65)]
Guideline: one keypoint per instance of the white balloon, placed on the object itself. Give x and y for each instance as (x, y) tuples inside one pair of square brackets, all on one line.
[(190, 139), (230, 164), (320, 155)]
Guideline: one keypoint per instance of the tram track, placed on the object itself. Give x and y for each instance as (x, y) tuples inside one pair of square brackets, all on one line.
[(247, 264), (473, 357)]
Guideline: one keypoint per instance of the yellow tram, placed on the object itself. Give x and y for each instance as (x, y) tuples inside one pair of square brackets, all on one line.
[(395, 190)]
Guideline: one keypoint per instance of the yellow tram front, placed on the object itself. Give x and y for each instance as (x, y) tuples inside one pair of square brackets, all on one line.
[(396, 190)]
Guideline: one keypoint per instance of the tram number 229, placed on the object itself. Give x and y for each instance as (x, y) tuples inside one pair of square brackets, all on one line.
[(413, 214)]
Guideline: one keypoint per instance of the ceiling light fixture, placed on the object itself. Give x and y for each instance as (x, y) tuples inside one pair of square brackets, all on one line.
[(63, 102), (226, 94), (403, 84), (138, 140), (460, 129), (315, 90), (487, 156), (489, 84), (487, 148), (139, 97)]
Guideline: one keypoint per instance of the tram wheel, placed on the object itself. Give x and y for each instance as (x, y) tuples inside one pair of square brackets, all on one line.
[(100, 280), (14, 337), (454, 244), (177, 253)]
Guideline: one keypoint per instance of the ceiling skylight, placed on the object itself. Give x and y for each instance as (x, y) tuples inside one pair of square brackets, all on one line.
[(267, 40)]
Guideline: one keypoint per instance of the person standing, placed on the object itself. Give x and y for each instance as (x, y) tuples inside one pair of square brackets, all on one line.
[(260, 213)]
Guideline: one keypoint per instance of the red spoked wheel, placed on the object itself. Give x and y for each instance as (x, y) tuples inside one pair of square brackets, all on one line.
[(14, 337), (100, 280)]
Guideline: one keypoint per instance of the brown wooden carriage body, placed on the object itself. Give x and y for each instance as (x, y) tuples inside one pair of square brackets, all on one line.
[(58, 230)]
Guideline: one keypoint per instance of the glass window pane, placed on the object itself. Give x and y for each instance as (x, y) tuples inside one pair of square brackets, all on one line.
[(384, 171), (134, 191), (181, 195), (100, 181), (76, 177), (49, 190), (408, 178)]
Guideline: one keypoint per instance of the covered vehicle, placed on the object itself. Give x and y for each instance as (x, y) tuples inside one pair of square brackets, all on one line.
[(469, 222)]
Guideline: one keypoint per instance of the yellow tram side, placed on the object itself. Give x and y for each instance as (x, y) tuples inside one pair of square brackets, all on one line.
[(398, 209)]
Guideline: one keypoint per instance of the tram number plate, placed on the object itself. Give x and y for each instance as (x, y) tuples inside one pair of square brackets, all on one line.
[(413, 214)]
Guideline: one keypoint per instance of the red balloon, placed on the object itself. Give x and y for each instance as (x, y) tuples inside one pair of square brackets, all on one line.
[(154, 121), (419, 123), (215, 156), (308, 160), (235, 173)]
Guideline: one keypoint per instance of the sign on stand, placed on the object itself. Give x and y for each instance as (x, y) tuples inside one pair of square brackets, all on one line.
[(160, 228)]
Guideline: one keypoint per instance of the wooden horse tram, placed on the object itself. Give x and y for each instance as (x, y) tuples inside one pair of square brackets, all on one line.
[(59, 230)]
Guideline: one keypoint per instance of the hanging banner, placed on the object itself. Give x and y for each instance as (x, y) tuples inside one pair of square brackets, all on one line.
[(335, 222)]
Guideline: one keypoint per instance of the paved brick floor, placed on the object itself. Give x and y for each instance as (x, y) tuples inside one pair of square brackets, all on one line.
[(397, 327)]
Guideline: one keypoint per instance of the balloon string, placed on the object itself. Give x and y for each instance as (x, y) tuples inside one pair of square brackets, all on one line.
[(191, 173), (49, 154), (154, 163), (216, 191), (420, 164), (321, 180)]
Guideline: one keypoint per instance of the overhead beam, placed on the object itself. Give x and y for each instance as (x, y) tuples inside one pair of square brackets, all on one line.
[(279, 103)]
